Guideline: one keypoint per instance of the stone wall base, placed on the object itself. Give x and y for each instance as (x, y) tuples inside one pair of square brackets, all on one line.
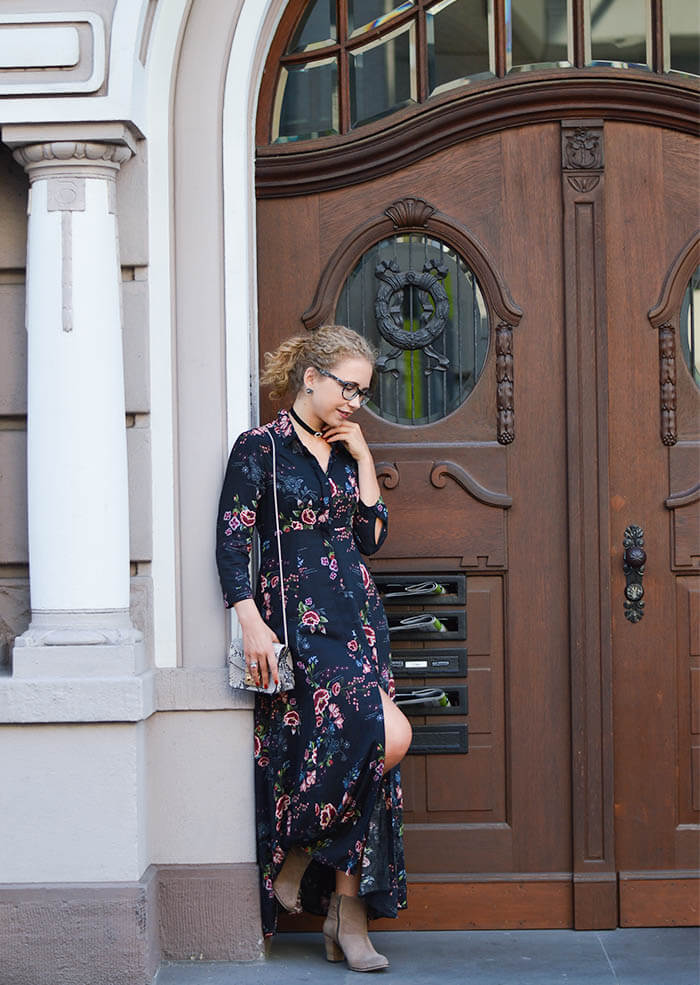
[(117, 933)]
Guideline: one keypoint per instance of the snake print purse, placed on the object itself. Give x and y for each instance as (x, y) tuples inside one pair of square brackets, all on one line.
[(238, 673)]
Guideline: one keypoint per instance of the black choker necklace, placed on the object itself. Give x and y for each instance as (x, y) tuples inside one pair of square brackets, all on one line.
[(304, 425)]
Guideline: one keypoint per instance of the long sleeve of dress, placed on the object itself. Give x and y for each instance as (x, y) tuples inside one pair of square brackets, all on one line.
[(364, 523), (238, 507)]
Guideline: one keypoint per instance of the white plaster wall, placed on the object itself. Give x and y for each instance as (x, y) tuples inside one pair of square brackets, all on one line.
[(74, 794), (200, 787)]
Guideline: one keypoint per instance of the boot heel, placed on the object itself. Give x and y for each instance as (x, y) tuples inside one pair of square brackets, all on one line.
[(333, 951)]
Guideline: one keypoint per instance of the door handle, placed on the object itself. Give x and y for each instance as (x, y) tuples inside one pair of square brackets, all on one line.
[(633, 561)]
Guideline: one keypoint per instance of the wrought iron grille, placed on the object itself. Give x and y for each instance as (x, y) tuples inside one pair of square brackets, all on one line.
[(416, 300)]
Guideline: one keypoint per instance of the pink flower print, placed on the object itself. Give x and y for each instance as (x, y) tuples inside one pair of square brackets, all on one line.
[(338, 719), (359, 847), (292, 720), (311, 618), (334, 488), (370, 634), (248, 517), (365, 576), (335, 689), (278, 855), (325, 561), (227, 515), (296, 525), (334, 564), (274, 581), (263, 762), (234, 522), (308, 601), (319, 721), (352, 645), (256, 746), (322, 517), (328, 813), (282, 805), (308, 516), (321, 697), (308, 780)]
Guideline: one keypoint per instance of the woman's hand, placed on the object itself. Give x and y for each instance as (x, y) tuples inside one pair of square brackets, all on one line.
[(257, 643), (352, 437), (350, 433)]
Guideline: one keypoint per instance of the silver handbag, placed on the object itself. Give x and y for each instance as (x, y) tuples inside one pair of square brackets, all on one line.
[(238, 673)]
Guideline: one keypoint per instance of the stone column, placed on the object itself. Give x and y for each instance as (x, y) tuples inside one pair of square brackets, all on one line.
[(77, 467)]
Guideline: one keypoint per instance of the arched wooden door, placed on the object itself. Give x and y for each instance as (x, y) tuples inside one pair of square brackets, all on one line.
[(557, 788)]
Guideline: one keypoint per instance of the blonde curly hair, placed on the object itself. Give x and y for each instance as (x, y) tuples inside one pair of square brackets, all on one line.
[(322, 349)]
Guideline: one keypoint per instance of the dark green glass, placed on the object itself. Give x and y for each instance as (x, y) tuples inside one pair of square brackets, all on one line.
[(458, 41), (316, 28), (308, 101)]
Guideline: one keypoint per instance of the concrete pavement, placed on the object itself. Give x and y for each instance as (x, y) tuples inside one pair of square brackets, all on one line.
[(657, 956)]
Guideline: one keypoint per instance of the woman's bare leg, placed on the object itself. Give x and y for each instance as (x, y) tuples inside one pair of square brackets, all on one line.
[(397, 733)]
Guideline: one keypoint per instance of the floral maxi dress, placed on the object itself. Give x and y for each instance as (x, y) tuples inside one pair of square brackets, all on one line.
[(319, 749)]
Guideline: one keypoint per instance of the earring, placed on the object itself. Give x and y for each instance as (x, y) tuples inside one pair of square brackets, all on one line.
[(309, 390)]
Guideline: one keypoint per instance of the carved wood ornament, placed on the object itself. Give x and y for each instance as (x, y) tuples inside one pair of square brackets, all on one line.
[(667, 383), (664, 317)]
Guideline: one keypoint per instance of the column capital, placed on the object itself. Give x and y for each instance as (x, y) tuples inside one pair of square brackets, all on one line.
[(78, 149)]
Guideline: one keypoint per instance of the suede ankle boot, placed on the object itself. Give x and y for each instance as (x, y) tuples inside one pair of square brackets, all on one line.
[(345, 935), (287, 884)]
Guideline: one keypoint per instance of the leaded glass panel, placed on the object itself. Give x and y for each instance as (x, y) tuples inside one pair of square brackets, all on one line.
[(618, 32), (415, 299), (316, 28), (459, 42), (682, 36), (368, 15), (689, 329), (383, 76), (307, 101), (537, 34)]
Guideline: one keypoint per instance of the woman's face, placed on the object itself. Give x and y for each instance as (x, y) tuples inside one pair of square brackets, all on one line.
[(327, 400)]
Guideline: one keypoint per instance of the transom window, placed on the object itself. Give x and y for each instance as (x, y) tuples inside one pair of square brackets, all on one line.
[(350, 62)]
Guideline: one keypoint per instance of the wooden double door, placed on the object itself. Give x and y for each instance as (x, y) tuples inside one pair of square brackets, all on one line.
[(576, 802)]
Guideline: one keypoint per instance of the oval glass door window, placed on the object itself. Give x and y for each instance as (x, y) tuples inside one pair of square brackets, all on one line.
[(690, 334), (416, 300)]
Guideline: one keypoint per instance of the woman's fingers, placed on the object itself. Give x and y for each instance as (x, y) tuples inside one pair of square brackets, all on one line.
[(273, 668)]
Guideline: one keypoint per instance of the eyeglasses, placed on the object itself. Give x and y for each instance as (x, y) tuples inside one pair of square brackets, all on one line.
[(350, 390)]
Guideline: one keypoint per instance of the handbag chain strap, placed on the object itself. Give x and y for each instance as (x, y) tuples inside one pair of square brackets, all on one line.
[(279, 536)]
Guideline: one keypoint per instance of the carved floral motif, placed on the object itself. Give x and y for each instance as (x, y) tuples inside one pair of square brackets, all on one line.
[(667, 383), (582, 149), (584, 182), (504, 383)]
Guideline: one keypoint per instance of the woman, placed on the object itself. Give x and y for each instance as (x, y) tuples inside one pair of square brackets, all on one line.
[(328, 795)]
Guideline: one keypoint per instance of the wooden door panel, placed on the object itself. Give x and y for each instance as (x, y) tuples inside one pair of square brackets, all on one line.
[(657, 823)]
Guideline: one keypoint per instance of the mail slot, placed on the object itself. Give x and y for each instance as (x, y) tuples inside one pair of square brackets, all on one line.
[(431, 589), (449, 699), (434, 739), (422, 625), (431, 662)]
